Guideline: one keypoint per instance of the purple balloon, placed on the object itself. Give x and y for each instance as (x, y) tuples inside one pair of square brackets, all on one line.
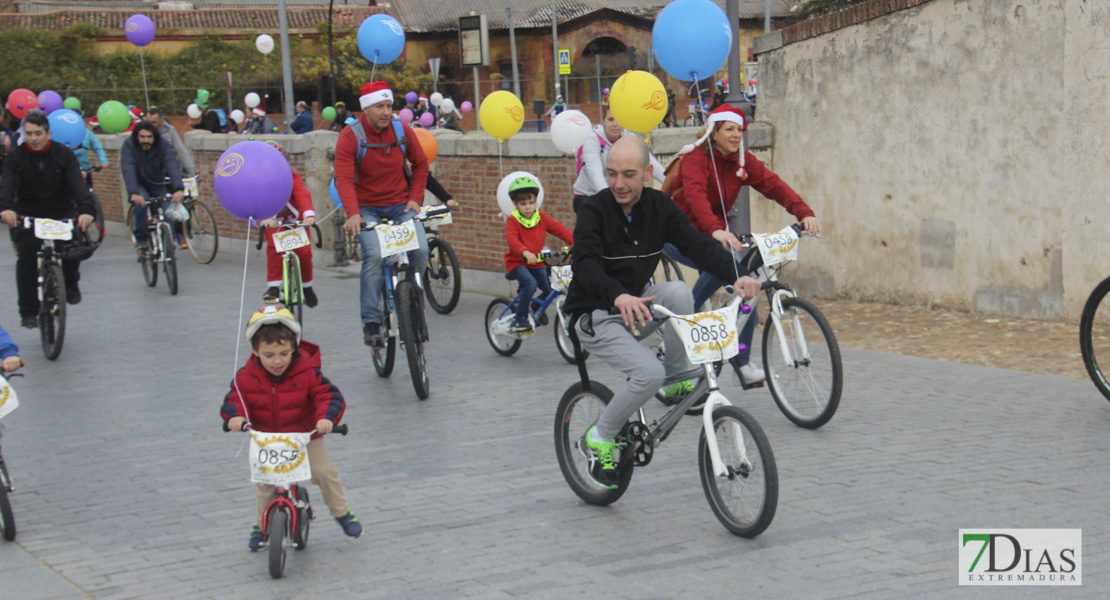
[(466, 106), (253, 180), (426, 119), (50, 101), (406, 115), (139, 30), (411, 97)]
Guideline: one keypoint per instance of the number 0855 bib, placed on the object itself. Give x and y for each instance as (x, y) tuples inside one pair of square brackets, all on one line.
[(8, 400), (709, 336), (279, 458)]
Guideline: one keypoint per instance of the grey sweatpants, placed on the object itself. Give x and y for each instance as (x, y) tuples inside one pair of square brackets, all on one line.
[(613, 343)]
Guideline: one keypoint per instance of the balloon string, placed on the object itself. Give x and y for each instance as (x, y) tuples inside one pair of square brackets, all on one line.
[(374, 68), (142, 63), (238, 322), (500, 160)]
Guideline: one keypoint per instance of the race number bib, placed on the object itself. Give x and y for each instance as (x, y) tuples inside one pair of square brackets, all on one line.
[(560, 277), (8, 400), (291, 239), (709, 336), (190, 184), (49, 229), (777, 247), (397, 238), (279, 458), (444, 219)]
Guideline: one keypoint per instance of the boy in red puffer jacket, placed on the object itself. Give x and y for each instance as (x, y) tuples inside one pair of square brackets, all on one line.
[(526, 230), (282, 390)]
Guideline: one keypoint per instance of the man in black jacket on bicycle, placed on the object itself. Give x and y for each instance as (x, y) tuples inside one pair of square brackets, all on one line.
[(618, 240), (41, 179), (146, 160)]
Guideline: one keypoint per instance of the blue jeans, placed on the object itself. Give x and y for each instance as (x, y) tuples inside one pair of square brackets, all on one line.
[(370, 296), (706, 286), (140, 212), (529, 279)]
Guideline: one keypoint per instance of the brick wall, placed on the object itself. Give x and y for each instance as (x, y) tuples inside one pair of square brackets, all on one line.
[(846, 17)]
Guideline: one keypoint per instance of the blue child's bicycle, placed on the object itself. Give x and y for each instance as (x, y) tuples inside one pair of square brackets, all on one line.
[(500, 313)]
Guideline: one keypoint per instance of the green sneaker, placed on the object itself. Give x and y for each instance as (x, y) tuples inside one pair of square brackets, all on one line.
[(600, 455), (674, 393)]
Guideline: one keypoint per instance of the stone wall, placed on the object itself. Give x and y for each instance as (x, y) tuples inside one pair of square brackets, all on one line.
[(955, 151)]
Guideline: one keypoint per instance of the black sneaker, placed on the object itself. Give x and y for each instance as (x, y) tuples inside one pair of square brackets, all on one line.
[(599, 456), (372, 335), (73, 295), (271, 295), (520, 326), (29, 322), (310, 298), (541, 319), (257, 539), (349, 523)]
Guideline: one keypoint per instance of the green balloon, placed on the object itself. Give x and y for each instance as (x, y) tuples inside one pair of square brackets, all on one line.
[(113, 116), (72, 103), (328, 114)]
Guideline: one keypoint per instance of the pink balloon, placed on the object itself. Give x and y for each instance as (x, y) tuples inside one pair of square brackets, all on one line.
[(406, 116), (426, 119), (466, 106)]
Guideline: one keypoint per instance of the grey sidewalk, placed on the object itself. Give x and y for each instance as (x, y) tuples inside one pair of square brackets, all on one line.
[(126, 488)]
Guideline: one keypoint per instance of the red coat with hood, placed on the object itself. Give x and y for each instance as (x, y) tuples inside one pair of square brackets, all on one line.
[(523, 238), (292, 403)]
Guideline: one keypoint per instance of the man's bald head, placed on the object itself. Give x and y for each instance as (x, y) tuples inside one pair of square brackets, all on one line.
[(627, 169), (634, 148)]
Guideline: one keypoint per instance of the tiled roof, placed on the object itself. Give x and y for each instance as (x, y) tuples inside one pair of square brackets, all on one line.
[(225, 18), (440, 15)]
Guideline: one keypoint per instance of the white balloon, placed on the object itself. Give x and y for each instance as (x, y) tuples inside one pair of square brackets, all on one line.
[(238, 116), (506, 203), (436, 98), (447, 106), (264, 43), (193, 111), (569, 129), (252, 100)]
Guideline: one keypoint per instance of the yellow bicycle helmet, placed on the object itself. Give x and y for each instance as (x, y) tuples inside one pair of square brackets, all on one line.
[(273, 313)]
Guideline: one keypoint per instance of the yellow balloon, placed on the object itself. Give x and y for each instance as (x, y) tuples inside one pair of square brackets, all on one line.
[(502, 114), (639, 101)]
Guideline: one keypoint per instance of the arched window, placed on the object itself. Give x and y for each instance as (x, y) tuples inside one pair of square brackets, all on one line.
[(613, 55)]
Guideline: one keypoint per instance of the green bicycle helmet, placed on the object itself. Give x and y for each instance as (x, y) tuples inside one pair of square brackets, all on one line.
[(524, 183)]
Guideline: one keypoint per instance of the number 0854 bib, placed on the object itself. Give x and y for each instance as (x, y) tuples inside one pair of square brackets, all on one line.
[(279, 458), (709, 336)]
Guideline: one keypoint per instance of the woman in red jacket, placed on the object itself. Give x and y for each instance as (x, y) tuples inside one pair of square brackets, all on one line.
[(706, 191), (526, 230)]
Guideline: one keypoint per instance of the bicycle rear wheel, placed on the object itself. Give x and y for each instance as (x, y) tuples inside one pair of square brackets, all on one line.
[(96, 232), (745, 498), (304, 518), (579, 410), (499, 310), (384, 356), (411, 330), (1094, 335), (7, 519), (202, 233), (442, 280), (807, 384), (671, 269), (147, 261), (292, 292), (52, 311), (277, 531), (169, 255), (130, 220), (562, 335)]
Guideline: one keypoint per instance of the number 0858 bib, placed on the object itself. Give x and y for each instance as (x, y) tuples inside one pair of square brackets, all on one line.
[(397, 237), (279, 458), (709, 336)]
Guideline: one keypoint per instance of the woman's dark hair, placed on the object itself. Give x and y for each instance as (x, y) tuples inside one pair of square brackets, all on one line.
[(37, 117)]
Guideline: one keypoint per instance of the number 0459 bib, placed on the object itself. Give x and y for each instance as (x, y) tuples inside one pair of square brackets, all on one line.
[(279, 458), (709, 336), (396, 238)]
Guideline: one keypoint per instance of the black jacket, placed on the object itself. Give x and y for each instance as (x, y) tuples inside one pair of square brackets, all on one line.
[(147, 169), (210, 121), (46, 185), (613, 256)]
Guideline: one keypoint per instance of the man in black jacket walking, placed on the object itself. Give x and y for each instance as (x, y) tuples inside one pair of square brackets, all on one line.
[(146, 161), (618, 240), (41, 179)]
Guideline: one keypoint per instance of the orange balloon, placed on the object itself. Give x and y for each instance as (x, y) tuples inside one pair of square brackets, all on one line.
[(427, 142)]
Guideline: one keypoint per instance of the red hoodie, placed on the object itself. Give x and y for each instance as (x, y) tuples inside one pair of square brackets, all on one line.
[(381, 176), (299, 206), (523, 238)]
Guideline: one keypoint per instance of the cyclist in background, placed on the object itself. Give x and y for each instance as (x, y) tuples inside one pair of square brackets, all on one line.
[(595, 150), (146, 160), (169, 133)]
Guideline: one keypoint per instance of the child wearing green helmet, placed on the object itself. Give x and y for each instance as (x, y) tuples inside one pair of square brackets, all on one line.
[(526, 231)]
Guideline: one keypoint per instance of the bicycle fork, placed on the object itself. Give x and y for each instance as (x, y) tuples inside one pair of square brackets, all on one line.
[(796, 327)]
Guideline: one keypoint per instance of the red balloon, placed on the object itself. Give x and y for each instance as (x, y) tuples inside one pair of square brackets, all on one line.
[(20, 101)]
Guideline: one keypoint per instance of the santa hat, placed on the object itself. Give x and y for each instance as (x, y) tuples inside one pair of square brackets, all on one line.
[(136, 113), (373, 93), (258, 111), (723, 112), (95, 122), (422, 97)]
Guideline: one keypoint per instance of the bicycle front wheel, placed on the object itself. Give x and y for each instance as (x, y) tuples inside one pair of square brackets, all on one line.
[(442, 281), (52, 311), (578, 410), (7, 519), (277, 531), (169, 256), (202, 233), (1094, 335), (292, 291), (803, 366), (96, 232), (411, 330), (746, 496), (497, 311)]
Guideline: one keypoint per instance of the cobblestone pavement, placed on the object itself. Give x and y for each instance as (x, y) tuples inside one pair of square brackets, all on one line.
[(126, 488)]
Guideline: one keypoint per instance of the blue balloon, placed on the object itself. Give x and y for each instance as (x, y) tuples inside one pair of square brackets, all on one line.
[(66, 127), (691, 39), (381, 39)]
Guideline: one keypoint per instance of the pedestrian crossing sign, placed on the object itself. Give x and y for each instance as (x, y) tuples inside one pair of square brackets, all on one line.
[(564, 62)]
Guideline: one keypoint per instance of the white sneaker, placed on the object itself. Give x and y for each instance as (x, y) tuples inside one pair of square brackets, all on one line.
[(752, 373)]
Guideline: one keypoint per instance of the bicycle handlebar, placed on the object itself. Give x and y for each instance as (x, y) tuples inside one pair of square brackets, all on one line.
[(432, 213), (340, 429), (263, 228)]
